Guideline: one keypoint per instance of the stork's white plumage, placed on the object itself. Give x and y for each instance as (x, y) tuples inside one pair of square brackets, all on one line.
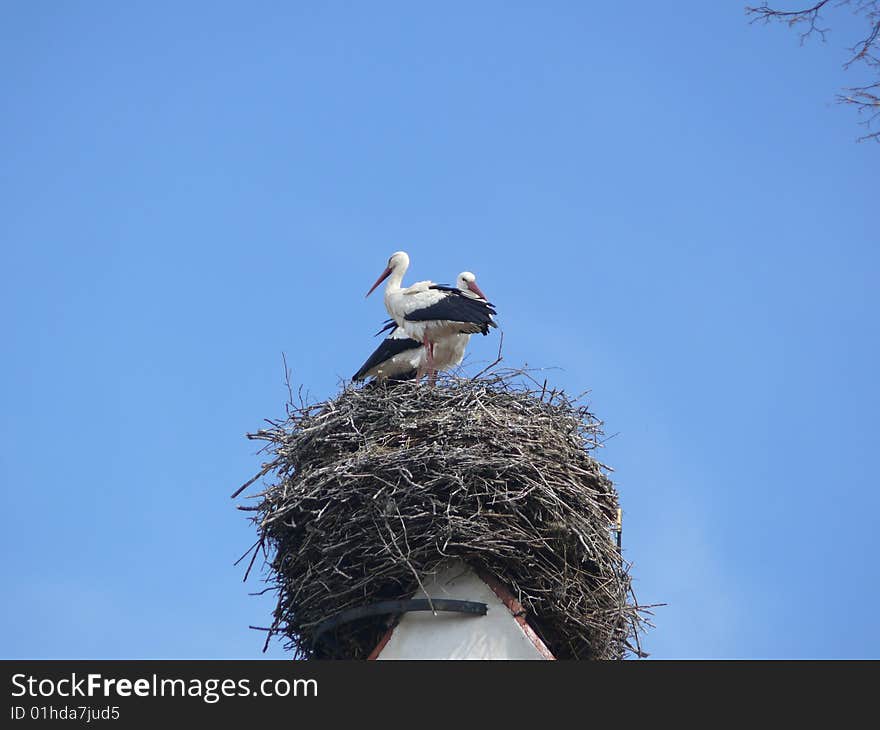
[(449, 350), (428, 312), (401, 357), (398, 357)]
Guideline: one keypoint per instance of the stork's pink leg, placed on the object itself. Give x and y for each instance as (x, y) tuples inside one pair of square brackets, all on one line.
[(429, 351), (432, 377)]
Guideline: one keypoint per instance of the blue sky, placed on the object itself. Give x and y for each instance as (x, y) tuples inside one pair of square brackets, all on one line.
[(663, 202)]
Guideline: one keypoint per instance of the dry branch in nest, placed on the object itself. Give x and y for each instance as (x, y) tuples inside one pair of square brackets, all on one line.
[(373, 489)]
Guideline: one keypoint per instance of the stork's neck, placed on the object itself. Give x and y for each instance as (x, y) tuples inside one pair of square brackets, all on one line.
[(399, 263), (395, 279)]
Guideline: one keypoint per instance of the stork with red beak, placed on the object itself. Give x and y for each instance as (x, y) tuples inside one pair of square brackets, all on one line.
[(449, 350), (399, 357), (429, 312)]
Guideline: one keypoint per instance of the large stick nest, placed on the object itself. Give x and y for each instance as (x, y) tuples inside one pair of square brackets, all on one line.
[(375, 488)]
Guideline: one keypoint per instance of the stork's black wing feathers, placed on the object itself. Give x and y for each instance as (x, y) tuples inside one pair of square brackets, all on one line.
[(387, 349), (456, 307), (389, 324), (456, 290)]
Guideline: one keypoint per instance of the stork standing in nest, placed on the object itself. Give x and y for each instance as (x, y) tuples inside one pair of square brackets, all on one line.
[(428, 312), (401, 357)]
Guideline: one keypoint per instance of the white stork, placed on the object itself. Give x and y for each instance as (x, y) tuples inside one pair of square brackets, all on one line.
[(428, 312), (449, 350), (400, 357)]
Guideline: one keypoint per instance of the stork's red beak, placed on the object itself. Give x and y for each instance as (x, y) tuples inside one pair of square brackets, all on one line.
[(472, 285), (385, 275)]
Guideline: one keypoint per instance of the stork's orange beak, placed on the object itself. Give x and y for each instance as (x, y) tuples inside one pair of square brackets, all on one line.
[(472, 285), (385, 275)]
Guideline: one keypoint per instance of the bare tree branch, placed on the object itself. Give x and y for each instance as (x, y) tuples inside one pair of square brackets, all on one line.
[(867, 103), (864, 98), (792, 18)]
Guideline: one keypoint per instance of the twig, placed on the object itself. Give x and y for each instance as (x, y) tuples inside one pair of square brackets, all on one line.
[(265, 470), (495, 362)]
